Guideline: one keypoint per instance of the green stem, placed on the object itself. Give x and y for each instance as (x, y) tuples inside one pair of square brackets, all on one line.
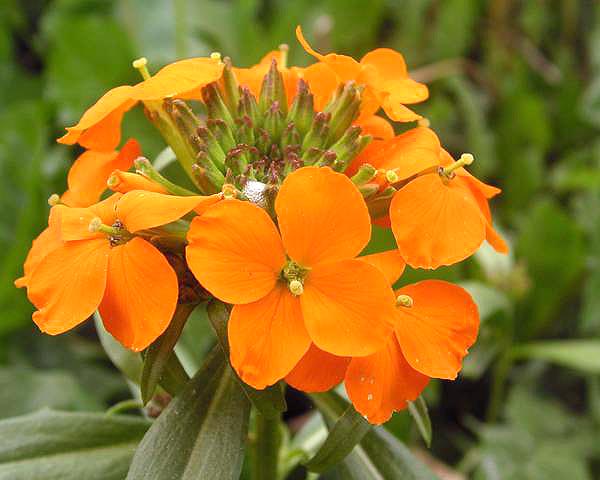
[(180, 14), (499, 377), (267, 446), (124, 406)]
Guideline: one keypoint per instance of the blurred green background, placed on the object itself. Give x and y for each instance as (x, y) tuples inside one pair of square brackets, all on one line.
[(517, 83)]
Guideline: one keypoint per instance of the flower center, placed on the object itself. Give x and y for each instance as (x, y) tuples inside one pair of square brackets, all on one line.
[(294, 274), (116, 233)]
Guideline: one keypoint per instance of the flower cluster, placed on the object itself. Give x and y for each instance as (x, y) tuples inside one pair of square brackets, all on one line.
[(291, 167)]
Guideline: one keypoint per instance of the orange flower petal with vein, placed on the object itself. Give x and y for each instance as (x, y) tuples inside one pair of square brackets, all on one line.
[(100, 126), (75, 221), (317, 371), (436, 331), (322, 216), (140, 210), (390, 263), (46, 242), (182, 79), (345, 307), (267, 337), (88, 175), (235, 251), (410, 153), (124, 182), (141, 294), (68, 284), (436, 223), (383, 383)]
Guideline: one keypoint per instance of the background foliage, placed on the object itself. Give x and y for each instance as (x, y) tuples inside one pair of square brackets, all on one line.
[(515, 82)]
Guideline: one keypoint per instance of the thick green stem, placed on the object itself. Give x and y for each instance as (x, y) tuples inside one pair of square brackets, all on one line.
[(266, 448), (500, 375)]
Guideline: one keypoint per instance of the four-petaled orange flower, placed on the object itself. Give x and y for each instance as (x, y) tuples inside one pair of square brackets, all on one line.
[(100, 126), (384, 74), (296, 283), (88, 175), (434, 323), (91, 258)]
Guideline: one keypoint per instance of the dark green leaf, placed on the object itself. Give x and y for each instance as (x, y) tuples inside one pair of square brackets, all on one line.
[(202, 433), (347, 431), (270, 401), (418, 410), (582, 355), (161, 364), (68, 446)]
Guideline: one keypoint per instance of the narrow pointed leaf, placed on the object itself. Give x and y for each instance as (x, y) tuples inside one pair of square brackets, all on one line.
[(202, 433), (347, 431), (161, 364), (68, 446), (271, 401), (379, 456), (418, 410), (582, 355)]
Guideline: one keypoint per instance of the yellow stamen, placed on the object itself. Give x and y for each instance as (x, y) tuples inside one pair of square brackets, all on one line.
[(229, 191), (113, 181), (53, 200), (423, 122), (215, 55), (95, 225), (391, 176), (283, 50), (404, 301), (465, 159), (296, 287), (141, 65)]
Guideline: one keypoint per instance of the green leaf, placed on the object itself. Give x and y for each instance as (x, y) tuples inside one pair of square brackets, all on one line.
[(582, 355), (379, 456), (418, 410), (68, 446), (161, 364), (271, 401), (202, 433), (347, 431)]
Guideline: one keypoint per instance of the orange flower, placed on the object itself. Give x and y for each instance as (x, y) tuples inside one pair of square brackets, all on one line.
[(100, 126), (88, 175), (296, 285), (441, 217), (435, 323), (385, 76), (124, 182), (100, 263)]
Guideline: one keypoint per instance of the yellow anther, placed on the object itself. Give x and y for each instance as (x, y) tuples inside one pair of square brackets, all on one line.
[(215, 55), (296, 287), (404, 301), (465, 159), (141, 65), (391, 176), (53, 200), (423, 122), (283, 51), (229, 191), (95, 225)]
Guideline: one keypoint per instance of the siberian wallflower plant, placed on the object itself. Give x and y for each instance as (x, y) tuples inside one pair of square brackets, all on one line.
[(290, 167)]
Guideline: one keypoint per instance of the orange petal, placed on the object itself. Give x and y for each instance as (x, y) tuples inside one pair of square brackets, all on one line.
[(75, 221), (381, 131), (322, 216), (88, 175), (390, 263), (140, 210), (182, 79), (397, 111), (100, 126), (436, 331), (46, 242), (68, 284), (235, 251), (488, 191), (141, 294), (383, 383), (435, 223), (410, 153), (267, 337), (317, 371), (346, 306), (388, 63), (124, 182), (376, 126), (322, 81)]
